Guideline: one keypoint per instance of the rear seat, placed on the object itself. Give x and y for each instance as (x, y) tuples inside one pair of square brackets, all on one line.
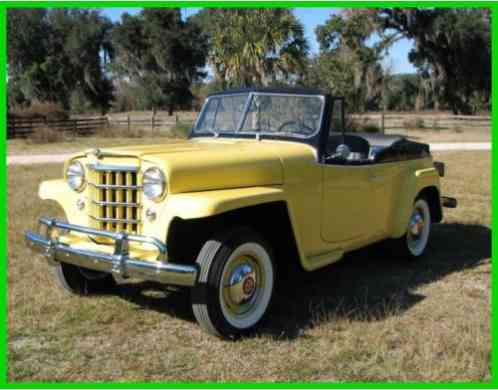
[(387, 148)]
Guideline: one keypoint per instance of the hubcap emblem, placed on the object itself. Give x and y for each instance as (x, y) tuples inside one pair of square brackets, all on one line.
[(248, 285)]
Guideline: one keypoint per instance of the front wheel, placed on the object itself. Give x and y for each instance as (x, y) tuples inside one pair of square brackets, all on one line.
[(236, 282), (81, 281)]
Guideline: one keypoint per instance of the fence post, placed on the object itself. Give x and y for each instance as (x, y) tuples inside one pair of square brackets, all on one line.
[(13, 130), (129, 124), (152, 121), (382, 122)]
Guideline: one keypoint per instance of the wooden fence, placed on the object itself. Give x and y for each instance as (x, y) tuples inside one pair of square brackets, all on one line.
[(153, 122), (423, 121), (18, 128), (23, 127)]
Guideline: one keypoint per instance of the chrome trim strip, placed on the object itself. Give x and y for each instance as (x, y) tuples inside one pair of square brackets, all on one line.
[(116, 204), (100, 154), (114, 186), (118, 263), (116, 220), (112, 168)]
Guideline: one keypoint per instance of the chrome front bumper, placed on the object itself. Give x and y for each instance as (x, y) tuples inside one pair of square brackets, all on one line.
[(119, 263)]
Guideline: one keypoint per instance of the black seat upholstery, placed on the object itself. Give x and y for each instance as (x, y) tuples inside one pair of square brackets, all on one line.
[(401, 150)]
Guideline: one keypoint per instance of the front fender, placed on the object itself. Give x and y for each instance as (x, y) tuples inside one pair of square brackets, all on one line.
[(58, 191), (204, 204), (208, 203)]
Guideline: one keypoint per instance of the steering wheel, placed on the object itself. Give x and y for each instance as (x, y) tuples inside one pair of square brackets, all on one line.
[(298, 125)]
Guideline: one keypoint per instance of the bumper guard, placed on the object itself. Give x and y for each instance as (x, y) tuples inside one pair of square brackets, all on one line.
[(118, 263)]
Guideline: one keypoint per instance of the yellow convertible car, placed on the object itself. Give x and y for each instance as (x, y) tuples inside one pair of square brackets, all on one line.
[(267, 177)]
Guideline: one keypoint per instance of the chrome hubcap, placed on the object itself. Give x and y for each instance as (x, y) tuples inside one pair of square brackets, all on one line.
[(418, 229), (241, 285), (417, 224)]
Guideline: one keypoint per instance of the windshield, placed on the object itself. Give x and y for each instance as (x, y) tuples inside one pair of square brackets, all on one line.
[(260, 113)]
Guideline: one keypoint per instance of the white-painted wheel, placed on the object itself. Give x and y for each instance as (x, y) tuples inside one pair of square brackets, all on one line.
[(236, 282), (413, 243), (419, 228), (246, 285)]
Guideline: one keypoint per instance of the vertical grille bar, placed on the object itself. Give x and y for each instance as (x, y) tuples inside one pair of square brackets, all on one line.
[(129, 199), (120, 199), (108, 209)]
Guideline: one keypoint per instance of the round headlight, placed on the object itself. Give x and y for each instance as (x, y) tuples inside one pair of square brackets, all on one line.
[(154, 183), (75, 175)]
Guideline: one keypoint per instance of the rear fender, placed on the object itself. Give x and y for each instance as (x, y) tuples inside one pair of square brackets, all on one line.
[(409, 188)]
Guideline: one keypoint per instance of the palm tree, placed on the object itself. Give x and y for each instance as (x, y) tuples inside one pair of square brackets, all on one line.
[(255, 46)]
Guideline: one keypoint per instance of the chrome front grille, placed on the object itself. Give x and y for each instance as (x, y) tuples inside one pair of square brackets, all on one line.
[(114, 197)]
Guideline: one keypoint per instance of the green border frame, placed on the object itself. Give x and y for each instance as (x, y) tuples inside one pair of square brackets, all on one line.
[(232, 4)]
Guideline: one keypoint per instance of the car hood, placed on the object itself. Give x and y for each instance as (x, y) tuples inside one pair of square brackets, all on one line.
[(207, 164)]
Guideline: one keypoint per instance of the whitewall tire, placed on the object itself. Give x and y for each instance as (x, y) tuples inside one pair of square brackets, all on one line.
[(413, 243), (419, 228), (236, 283)]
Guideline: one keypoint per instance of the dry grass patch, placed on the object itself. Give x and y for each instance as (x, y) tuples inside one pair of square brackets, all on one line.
[(457, 134), (367, 318), (140, 137)]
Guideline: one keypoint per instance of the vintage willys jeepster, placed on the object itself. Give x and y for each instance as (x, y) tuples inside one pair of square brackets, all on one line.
[(267, 177)]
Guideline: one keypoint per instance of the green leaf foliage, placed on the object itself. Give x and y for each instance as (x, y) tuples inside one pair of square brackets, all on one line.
[(452, 50), (254, 47), (54, 54), (160, 56)]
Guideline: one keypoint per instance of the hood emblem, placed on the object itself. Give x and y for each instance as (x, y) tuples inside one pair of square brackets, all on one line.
[(97, 153)]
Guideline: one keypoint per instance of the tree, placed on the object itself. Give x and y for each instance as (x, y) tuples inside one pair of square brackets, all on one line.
[(254, 47), (160, 55), (56, 54), (451, 45), (403, 92), (24, 28), (348, 63)]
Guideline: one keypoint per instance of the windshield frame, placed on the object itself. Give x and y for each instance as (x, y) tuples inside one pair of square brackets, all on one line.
[(245, 134)]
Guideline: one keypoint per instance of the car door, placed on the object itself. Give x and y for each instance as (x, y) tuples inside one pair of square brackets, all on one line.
[(348, 203), (382, 180)]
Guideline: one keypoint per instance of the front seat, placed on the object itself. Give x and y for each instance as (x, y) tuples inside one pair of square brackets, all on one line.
[(356, 144)]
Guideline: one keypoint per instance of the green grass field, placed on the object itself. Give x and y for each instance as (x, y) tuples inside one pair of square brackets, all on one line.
[(366, 318)]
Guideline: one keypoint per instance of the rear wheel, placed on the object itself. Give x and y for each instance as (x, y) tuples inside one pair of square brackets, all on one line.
[(414, 242), (81, 281), (236, 283)]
